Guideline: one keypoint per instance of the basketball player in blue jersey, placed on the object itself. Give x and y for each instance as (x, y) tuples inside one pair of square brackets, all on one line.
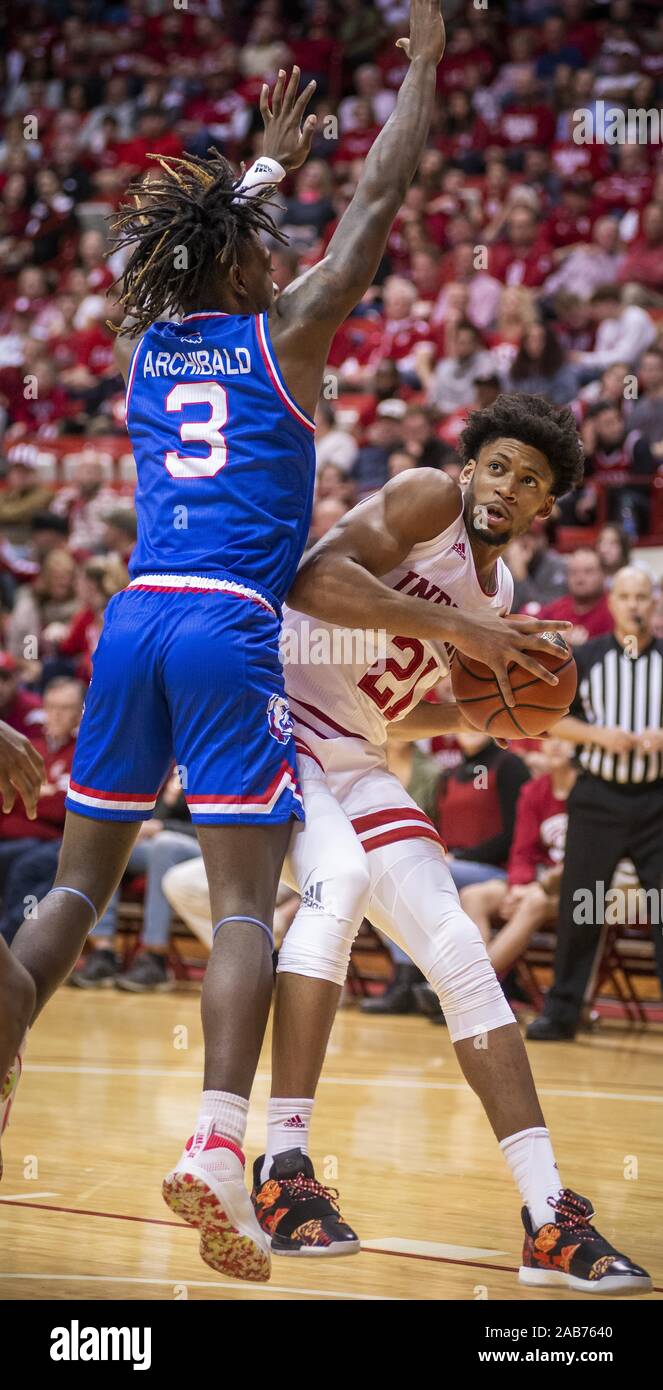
[(222, 383)]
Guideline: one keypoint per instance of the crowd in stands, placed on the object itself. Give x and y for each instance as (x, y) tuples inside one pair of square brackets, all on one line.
[(522, 260)]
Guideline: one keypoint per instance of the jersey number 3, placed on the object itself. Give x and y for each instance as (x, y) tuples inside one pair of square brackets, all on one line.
[(199, 431)]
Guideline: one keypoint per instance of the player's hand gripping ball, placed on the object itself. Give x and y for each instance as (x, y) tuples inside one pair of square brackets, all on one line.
[(538, 705)]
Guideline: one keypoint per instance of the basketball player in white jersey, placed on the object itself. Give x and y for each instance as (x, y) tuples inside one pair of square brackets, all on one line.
[(420, 560)]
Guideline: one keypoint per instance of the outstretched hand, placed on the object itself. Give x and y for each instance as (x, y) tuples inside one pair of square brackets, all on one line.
[(427, 33), (21, 770), (285, 138)]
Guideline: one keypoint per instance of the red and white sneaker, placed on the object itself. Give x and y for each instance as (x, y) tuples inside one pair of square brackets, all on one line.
[(8, 1091), (206, 1189)]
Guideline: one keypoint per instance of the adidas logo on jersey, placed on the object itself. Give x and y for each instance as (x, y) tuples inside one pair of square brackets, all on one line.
[(313, 897), (294, 1122), (459, 547)]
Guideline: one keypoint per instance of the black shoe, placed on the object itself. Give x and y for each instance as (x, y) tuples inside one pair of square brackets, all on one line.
[(298, 1214), (428, 1003), (149, 972), (545, 1029), (399, 997), (101, 969), (568, 1250), (513, 991)]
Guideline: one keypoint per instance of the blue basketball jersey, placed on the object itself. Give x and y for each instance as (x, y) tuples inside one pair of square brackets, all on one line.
[(225, 457)]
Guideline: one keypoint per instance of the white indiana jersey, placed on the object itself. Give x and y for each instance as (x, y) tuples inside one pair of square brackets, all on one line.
[(339, 683)]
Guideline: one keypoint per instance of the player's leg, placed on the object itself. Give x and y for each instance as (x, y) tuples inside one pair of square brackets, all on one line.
[(414, 900), (92, 861), (122, 755), (121, 759), (17, 1001), (328, 867), (243, 865), (236, 756)]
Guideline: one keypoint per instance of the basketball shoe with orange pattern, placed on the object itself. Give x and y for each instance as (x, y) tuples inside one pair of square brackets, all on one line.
[(206, 1189), (568, 1251), (297, 1214)]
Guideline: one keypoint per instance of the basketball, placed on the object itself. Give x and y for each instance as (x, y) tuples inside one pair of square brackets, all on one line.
[(537, 705)]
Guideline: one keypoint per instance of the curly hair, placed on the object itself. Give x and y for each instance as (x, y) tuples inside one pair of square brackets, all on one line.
[(534, 421), (193, 205)]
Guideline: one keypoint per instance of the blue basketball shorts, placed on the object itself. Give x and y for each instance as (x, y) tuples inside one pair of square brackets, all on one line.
[(187, 672)]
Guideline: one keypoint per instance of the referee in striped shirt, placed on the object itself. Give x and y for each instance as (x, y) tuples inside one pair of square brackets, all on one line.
[(616, 807)]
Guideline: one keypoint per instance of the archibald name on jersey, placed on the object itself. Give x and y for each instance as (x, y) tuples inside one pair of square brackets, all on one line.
[(212, 362)]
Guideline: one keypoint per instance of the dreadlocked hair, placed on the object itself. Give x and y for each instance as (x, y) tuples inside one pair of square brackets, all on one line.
[(533, 420), (193, 205)]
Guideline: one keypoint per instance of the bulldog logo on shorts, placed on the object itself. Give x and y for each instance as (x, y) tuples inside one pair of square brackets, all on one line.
[(279, 718)]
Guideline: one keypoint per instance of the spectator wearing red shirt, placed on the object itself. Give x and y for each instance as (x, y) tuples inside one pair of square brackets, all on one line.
[(403, 329), (644, 262), (462, 52), (463, 134), (92, 252), (223, 113), (526, 120), (76, 644), (585, 605), (29, 849), (355, 143), (153, 137), (43, 411), (629, 186), (572, 221), (530, 895), (19, 708), (524, 257), (86, 504)]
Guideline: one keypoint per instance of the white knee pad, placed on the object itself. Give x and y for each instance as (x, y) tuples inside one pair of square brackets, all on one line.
[(464, 980), (414, 900), (319, 942)]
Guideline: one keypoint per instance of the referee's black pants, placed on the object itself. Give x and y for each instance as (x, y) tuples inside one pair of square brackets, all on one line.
[(606, 823)]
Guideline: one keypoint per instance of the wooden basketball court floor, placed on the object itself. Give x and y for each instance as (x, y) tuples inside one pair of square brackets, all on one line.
[(110, 1092)]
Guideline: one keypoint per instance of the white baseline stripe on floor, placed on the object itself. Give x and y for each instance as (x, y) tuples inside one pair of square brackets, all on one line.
[(25, 1196), (408, 1083), (397, 1245), (205, 1284)]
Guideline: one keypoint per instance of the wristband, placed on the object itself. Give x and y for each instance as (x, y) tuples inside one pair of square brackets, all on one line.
[(263, 175)]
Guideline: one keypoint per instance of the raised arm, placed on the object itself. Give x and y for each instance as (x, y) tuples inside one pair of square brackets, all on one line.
[(339, 580), (305, 317)]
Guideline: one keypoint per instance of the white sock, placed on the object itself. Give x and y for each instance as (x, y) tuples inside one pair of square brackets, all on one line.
[(531, 1160), (288, 1124), (229, 1113)]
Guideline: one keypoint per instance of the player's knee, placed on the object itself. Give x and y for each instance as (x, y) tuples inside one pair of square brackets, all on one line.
[(320, 939), (464, 979), (350, 891), (319, 948)]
